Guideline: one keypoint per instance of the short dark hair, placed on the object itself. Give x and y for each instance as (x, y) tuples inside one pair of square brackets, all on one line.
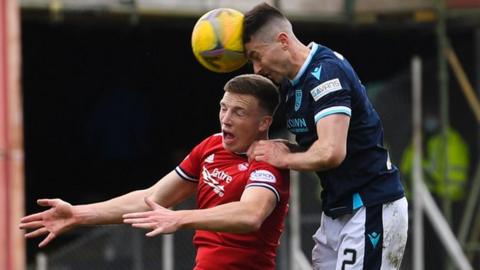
[(258, 86), (257, 17)]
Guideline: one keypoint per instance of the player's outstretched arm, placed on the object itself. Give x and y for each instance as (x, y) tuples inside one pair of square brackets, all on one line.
[(327, 152), (244, 216), (62, 216)]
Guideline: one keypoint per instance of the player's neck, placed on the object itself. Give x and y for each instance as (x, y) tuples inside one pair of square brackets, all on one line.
[(299, 54), (262, 136)]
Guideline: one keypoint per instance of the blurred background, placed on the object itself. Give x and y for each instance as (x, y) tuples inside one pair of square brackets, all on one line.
[(107, 97)]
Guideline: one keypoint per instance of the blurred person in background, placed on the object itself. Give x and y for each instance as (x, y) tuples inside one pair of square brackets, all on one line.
[(365, 213), (241, 205), (458, 160)]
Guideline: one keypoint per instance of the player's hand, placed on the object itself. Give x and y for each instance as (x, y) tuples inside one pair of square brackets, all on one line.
[(273, 152), (159, 220), (54, 221)]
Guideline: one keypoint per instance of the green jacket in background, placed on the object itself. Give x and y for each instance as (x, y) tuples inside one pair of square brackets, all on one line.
[(433, 165)]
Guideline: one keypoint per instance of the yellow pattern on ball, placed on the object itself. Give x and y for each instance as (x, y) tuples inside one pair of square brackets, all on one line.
[(217, 40)]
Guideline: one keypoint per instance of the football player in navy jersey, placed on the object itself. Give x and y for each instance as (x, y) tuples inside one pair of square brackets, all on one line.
[(365, 214), (241, 205)]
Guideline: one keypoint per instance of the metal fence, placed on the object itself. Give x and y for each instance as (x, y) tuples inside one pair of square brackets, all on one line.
[(117, 247)]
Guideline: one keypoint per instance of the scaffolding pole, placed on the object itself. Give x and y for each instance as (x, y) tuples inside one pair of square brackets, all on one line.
[(418, 251), (442, 44)]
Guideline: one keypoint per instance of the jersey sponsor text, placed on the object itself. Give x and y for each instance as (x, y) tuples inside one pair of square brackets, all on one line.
[(263, 176), (326, 88)]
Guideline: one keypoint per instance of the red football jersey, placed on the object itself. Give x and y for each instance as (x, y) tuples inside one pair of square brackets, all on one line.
[(222, 176)]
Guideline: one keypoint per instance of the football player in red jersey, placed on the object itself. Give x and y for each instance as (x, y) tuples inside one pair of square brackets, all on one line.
[(241, 204)]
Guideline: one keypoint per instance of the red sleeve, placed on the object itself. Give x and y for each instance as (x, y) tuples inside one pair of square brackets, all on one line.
[(189, 168), (265, 175)]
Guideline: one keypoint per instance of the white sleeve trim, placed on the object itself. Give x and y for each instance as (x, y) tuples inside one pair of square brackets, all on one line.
[(265, 186), (333, 110), (185, 176)]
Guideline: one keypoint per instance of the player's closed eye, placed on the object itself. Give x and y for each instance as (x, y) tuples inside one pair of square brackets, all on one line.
[(223, 108), (241, 113), (254, 56)]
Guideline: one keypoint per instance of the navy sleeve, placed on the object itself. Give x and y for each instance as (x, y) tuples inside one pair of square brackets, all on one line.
[(330, 89)]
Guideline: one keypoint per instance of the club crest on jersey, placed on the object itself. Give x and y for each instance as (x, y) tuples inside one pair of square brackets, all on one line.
[(243, 166), (263, 176), (298, 99)]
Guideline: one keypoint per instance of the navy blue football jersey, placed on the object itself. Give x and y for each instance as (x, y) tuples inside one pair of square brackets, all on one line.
[(326, 84)]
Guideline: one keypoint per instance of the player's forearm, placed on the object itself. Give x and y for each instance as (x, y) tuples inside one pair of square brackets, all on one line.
[(167, 192), (235, 217), (111, 211), (319, 157)]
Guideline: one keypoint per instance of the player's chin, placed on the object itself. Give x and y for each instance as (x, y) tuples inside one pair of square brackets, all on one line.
[(234, 147), (275, 79), (230, 147)]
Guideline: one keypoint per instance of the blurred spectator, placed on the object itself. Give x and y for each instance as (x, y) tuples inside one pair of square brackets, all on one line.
[(433, 163)]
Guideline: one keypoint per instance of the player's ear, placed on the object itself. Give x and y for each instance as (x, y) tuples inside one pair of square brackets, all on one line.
[(265, 123), (282, 37)]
